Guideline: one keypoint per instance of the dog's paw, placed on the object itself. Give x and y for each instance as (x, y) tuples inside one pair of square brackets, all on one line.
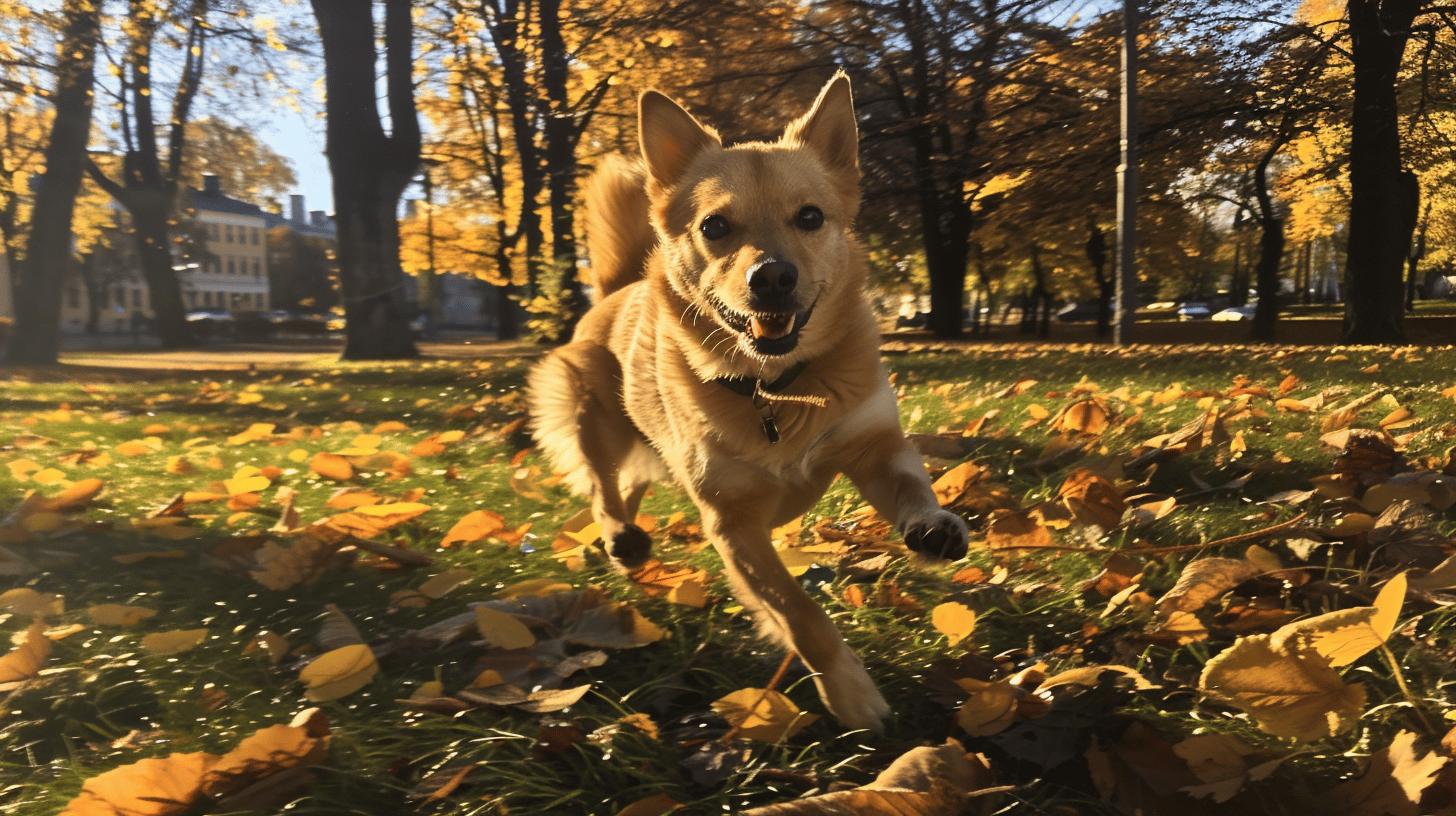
[(629, 547), (851, 696), (941, 534)]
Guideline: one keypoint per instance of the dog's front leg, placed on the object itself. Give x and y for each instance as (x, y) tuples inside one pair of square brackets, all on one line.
[(787, 613), (891, 475)]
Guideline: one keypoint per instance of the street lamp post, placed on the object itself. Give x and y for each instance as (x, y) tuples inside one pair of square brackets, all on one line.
[(1125, 305)]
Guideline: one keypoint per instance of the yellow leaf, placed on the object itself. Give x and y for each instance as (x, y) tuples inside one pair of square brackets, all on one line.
[(437, 586), (472, 527), (954, 620), (78, 495), (167, 786), (173, 642), (1089, 676), (118, 614), (762, 714), (502, 630), (533, 587), (331, 466), (1346, 635), (990, 709), (339, 673), (25, 660), (1288, 687)]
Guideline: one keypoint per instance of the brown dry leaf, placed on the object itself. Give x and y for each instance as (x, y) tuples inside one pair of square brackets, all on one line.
[(1088, 416), (302, 743), (924, 781), (954, 483), (1092, 499), (173, 642), (1012, 528), (1090, 675), (339, 673), (762, 714), (281, 566), (27, 602), (1289, 689), (337, 630), (1203, 580), (474, 526), (654, 805), (168, 786), (990, 709), (1218, 762), (1392, 784), (118, 614)]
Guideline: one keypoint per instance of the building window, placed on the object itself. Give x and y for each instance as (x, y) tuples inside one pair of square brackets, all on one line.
[(231, 269), (192, 299), (228, 233), (136, 298), (257, 268), (257, 234), (212, 231)]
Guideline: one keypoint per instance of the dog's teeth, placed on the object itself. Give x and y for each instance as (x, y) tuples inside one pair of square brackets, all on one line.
[(772, 328)]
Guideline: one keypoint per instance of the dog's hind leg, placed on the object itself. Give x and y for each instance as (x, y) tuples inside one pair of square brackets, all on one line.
[(787, 613), (578, 420)]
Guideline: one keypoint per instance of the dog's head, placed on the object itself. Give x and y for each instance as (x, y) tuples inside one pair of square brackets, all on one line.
[(757, 235)]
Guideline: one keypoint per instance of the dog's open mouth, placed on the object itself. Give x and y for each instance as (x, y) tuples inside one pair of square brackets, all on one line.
[(770, 333)]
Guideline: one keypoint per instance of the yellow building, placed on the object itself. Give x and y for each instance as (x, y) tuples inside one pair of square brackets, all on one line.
[(232, 274)]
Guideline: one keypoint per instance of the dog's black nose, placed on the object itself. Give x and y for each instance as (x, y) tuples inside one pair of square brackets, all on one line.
[(772, 280)]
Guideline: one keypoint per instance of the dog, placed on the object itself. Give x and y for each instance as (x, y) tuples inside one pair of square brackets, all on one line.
[(734, 350)]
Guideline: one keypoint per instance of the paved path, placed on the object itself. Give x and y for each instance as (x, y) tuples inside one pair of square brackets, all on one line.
[(273, 355)]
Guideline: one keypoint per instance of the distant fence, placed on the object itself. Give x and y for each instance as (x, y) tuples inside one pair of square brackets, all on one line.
[(1298, 331)]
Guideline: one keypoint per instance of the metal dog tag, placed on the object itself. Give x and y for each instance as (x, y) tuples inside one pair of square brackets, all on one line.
[(766, 420)]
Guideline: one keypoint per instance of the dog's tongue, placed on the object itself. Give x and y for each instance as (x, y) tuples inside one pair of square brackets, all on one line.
[(772, 328)]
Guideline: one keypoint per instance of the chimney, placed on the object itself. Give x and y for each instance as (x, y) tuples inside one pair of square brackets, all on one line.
[(211, 184), (295, 209), (318, 218)]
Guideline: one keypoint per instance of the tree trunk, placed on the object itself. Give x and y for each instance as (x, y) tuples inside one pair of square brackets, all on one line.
[(1379, 230), (505, 36), (560, 132), (1271, 246), (40, 275), (155, 256), (370, 170)]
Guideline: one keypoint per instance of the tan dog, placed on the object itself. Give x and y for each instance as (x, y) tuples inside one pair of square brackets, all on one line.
[(735, 351)]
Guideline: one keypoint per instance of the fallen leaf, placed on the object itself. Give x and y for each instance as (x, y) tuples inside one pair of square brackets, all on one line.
[(764, 715), (954, 620), (1289, 689), (339, 673)]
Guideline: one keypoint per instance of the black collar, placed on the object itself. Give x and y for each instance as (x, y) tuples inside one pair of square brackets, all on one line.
[(748, 386)]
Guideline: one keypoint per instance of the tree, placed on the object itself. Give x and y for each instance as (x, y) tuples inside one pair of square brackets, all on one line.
[(149, 181), (370, 169), (1384, 192), (48, 246), (249, 169)]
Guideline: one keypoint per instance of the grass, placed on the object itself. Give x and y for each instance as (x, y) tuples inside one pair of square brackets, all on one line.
[(99, 687)]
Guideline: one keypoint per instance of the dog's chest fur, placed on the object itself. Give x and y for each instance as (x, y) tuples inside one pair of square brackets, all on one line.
[(711, 437)]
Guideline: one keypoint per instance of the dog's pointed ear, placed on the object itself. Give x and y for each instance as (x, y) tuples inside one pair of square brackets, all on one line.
[(829, 128), (670, 137)]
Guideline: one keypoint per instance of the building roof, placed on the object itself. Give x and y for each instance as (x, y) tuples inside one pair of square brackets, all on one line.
[(302, 227), (206, 200)]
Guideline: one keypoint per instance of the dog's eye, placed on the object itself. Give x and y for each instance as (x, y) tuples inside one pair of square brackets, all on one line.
[(809, 218), (714, 227)]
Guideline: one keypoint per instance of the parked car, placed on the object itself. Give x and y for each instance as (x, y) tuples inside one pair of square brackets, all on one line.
[(1160, 308), (211, 324), (1079, 312), (1194, 311), (1234, 313)]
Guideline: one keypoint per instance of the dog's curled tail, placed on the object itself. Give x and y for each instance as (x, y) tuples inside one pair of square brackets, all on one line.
[(618, 228)]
